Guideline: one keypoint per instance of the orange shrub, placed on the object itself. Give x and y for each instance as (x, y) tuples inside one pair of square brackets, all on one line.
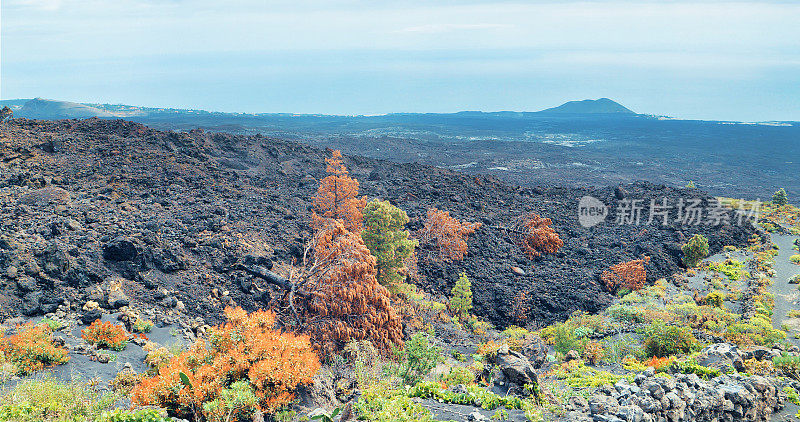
[(630, 275), (447, 234), (337, 196), (535, 236), (32, 349), (106, 335), (660, 364), (490, 348), (246, 350)]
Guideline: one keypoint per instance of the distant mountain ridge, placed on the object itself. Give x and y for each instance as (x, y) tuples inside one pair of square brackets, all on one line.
[(40, 108), (599, 106)]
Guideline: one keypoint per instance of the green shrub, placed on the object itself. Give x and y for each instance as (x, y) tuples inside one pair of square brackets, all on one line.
[(474, 396), (461, 296), (694, 250), (769, 227), (626, 313), (515, 332), (662, 340), (795, 258), (730, 267), (689, 366), (416, 359), (564, 338), (143, 325), (578, 375), (239, 398), (788, 365), (791, 395), (386, 238), (780, 198), (138, 415), (385, 405)]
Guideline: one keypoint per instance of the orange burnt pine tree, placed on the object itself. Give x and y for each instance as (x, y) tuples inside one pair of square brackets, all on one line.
[(447, 234), (630, 275), (337, 196), (344, 301)]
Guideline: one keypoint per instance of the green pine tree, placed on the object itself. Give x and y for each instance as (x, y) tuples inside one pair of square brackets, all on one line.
[(387, 239), (780, 198), (461, 296)]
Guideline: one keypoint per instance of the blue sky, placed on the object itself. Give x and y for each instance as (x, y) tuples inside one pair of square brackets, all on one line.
[(708, 60)]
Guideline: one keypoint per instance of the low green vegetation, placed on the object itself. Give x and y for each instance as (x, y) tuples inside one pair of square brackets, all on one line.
[(47, 399), (578, 375), (733, 269), (788, 365)]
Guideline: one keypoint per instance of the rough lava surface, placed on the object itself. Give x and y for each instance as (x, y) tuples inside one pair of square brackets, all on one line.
[(118, 213)]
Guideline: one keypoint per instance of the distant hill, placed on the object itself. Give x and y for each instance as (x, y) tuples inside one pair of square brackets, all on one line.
[(40, 108), (601, 106), (14, 104)]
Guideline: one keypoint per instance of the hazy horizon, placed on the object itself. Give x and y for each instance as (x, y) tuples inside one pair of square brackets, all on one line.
[(715, 60)]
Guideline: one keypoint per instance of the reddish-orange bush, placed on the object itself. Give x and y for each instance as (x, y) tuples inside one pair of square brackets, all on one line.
[(447, 234), (245, 350), (106, 335), (535, 236), (346, 302), (337, 196), (32, 349), (659, 364), (630, 275)]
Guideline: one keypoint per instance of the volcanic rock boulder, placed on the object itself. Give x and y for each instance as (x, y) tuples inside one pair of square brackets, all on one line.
[(516, 367), (120, 249)]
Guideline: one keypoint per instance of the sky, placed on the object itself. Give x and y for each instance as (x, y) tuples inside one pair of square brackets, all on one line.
[(717, 60)]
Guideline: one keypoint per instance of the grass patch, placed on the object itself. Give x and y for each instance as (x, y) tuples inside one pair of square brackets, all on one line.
[(51, 400)]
